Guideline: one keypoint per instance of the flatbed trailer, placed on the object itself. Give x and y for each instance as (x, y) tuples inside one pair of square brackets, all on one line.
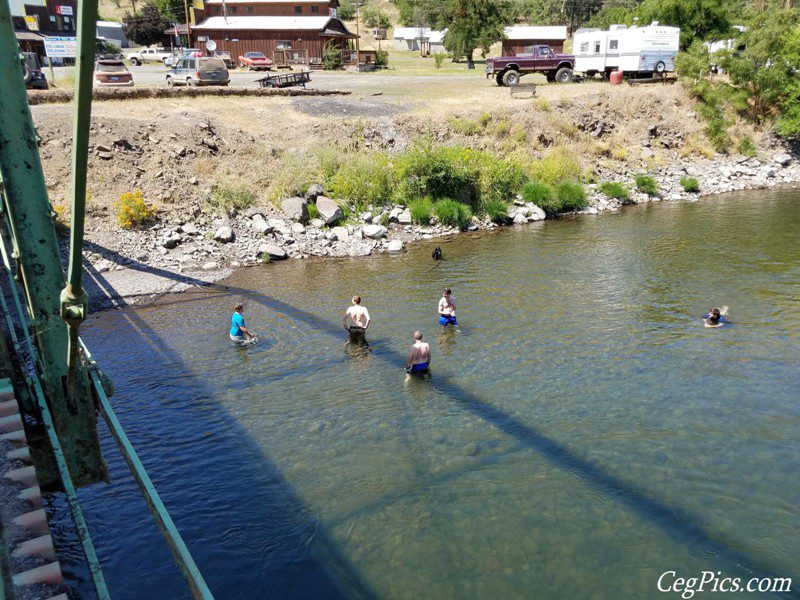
[(284, 80)]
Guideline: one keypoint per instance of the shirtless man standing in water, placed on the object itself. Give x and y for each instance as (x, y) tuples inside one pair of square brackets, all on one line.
[(419, 356), (356, 320), (447, 309)]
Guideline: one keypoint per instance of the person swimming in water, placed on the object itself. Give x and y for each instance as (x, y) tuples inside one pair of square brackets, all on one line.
[(716, 317), (419, 356), (238, 330), (356, 320), (447, 309)]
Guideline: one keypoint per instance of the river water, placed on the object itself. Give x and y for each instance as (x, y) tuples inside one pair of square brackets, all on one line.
[(579, 435)]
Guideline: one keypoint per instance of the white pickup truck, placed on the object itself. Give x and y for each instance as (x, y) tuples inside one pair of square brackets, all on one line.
[(144, 55)]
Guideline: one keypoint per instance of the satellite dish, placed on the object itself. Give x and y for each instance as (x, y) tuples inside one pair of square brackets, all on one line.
[(211, 45)]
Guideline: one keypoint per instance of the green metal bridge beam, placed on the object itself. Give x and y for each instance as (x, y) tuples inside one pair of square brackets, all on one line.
[(29, 211)]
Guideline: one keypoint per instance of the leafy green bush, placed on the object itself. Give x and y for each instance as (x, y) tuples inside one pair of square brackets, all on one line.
[(539, 193), (438, 59), (452, 213), (133, 210), (496, 210), (376, 18), (363, 179), (331, 57), (438, 172), (646, 184), (556, 166), (690, 184), (615, 190), (381, 58), (421, 210), (484, 119), (747, 147), (226, 196), (571, 196)]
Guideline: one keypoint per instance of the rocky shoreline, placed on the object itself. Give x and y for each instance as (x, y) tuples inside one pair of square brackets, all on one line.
[(196, 242)]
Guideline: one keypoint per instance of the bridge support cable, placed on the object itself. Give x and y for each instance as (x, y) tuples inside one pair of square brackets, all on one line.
[(170, 532)]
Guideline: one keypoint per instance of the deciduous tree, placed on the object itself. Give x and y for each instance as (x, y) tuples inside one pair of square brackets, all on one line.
[(146, 27), (476, 24)]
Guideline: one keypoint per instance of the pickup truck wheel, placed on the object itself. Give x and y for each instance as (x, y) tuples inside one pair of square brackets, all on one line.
[(564, 75), (136, 62), (191, 82), (511, 77), (170, 82), (499, 79), (550, 76)]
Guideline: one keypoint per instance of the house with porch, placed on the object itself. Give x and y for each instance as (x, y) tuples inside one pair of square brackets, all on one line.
[(290, 32), (517, 38)]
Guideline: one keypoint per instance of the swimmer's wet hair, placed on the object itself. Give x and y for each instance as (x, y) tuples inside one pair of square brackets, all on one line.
[(447, 291), (238, 307), (357, 299), (417, 335)]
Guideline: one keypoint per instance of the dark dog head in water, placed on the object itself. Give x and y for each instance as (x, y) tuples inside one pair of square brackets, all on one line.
[(437, 253)]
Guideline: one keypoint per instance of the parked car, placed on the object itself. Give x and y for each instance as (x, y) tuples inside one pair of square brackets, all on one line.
[(225, 57), (198, 70), (507, 70), (172, 59), (111, 72), (144, 55), (255, 61), (32, 72)]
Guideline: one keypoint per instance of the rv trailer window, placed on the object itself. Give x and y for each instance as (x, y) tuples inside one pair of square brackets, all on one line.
[(597, 47), (584, 48), (612, 45)]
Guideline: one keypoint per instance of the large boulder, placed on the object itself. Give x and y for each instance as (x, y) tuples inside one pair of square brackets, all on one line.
[(295, 209), (329, 211), (520, 218), (404, 218), (314, 192), (374, 232), (340, 233), (360, 248), (783, 159), (535, 213), (395, 246), (273, 251), (224, 234), (261, 226), (280, 226)]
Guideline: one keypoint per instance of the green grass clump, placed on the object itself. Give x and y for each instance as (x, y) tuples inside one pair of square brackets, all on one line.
[(439, 172), (226, 196), (747, 147), (615, 190), (464, 126), (559, 165), (452, 213), (313, 211), (646, 184), (690, 184), (421, 211), (496, 210), (571, 195), (539, 193), (500, 178), (363, 179)]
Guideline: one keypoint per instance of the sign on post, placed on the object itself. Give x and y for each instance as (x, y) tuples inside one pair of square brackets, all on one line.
[(61, 47), (32, 21), (63, 10)]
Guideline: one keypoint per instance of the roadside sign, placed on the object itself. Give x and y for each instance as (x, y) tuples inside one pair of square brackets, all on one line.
[(61, 47), (63, 10), (32, 21), (198, 5), (211, 45)]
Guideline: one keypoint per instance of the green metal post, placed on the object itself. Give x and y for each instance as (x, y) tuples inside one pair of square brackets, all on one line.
[(29, 210), (74, 301)]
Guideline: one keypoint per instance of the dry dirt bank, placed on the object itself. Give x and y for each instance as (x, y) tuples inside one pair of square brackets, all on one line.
[(177, 149)]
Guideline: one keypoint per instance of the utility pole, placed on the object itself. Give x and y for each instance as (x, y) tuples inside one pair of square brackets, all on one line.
[(186, 14), (358, 34)]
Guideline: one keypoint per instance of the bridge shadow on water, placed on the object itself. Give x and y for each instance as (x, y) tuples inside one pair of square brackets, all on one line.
[(677, 523)]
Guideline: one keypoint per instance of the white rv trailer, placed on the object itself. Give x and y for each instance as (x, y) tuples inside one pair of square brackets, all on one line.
[(633, 50)]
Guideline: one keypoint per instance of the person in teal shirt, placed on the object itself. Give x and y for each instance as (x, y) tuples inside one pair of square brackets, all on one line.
[(238, 330)]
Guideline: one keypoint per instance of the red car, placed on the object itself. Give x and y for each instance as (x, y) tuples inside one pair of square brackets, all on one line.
[(255, 61)]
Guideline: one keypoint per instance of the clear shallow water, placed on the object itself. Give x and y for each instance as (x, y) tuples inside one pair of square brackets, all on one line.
[(580, 435)]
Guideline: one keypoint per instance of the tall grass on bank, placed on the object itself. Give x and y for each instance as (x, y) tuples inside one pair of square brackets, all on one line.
[(452, 213)]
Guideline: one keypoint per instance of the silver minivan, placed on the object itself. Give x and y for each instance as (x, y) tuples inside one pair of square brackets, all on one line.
[(198, 71)]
